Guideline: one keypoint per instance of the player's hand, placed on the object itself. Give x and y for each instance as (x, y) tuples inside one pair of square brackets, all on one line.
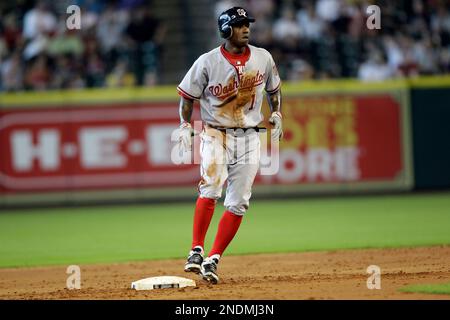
[(185, 137), (275, 121)]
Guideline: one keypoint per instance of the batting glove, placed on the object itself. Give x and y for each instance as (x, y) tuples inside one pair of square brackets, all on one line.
[(275, 121), (185, 137)]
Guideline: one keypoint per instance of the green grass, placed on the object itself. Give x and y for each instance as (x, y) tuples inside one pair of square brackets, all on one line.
[(441, 288), (139, 232)]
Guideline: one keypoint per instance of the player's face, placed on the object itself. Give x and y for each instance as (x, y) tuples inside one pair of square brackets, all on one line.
[(241, 34)]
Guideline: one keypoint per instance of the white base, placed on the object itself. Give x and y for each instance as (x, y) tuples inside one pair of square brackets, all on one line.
[(162, 283)]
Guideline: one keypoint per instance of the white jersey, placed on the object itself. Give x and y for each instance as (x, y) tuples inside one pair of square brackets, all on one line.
[(231, 96)]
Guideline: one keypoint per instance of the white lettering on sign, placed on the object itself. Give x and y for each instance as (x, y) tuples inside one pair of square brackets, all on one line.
[(346, 164), (298, 168), (318, 164), (46, 150), (159, 144), (69, 150), (100, 147), (136, 147)]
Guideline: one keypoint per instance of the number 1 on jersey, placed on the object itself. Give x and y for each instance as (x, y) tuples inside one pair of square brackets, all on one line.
[(253, 102)]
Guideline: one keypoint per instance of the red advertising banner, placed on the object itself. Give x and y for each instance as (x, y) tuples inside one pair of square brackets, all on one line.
[(340, 139), (94, 147), (328, 139)]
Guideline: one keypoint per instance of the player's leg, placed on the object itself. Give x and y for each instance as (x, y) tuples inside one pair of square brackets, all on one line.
[(204, 210), (241, 176), (213, 171)]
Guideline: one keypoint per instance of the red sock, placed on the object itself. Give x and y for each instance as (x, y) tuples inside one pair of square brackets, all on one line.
[(228, 226), (204, 210)]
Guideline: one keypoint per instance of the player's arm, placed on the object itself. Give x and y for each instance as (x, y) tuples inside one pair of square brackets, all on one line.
[(190, 89), (186, 131), (273, 89), (186, 108), (274, 100)]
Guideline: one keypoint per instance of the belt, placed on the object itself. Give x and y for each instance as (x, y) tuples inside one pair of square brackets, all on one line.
[(224, 129)]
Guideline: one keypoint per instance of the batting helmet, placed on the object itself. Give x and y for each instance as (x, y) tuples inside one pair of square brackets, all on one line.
[(231, 17)]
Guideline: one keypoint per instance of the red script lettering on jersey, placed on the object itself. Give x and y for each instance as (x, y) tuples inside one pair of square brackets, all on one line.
[(247, 82)]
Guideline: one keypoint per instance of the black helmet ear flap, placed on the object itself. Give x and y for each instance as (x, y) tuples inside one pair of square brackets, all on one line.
[(226, 31)]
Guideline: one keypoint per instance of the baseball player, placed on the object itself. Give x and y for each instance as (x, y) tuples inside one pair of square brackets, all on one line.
[(230, 83)]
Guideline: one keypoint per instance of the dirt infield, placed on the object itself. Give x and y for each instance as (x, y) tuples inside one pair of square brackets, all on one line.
[(315, 275)]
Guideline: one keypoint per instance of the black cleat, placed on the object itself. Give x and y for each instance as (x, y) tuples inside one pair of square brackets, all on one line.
[(194, 260), (209, 270)]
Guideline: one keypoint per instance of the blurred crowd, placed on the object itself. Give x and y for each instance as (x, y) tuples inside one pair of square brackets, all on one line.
[(118, 44), (316, 39), (121, 41)]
